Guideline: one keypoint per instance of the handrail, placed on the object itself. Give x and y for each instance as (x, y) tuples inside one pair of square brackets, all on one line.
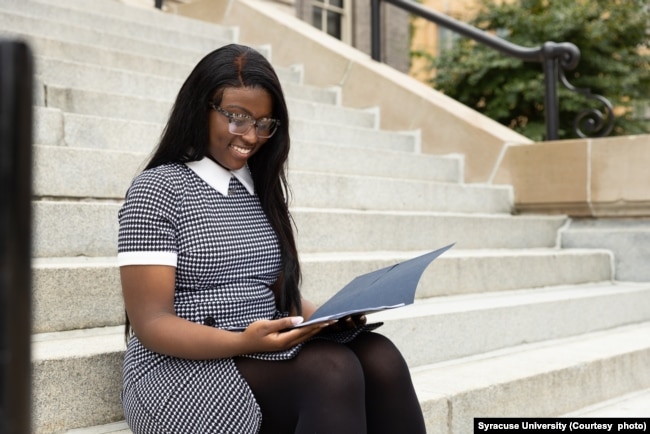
[(555, 58)]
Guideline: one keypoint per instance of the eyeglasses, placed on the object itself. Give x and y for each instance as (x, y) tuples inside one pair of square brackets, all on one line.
[(241, 124)]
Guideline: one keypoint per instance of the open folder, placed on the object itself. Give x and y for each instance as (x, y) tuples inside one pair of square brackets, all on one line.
[(386, 288)]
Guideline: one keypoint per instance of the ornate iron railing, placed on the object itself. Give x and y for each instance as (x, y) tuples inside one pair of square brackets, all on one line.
[(554, 57)]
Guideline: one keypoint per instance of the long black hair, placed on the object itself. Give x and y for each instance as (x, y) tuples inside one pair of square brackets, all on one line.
[(186, 138)]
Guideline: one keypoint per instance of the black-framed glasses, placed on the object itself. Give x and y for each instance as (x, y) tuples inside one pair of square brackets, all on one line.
[(240, 124)]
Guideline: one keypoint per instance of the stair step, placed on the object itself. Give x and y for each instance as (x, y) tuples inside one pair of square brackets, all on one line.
[(545, 379), (70, 228), (89, 20), (445, 328), (110, 428), (145, 84), (55, 127), (592, 367), (20, 22), (76, 376), (633, 405), (153, 17), (459, 272), (630, 405), (108, 174), (108, 57), (122, 106), (94, 282), (353, 230)]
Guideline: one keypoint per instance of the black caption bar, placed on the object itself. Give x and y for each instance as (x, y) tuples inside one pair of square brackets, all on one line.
[(581, 425)]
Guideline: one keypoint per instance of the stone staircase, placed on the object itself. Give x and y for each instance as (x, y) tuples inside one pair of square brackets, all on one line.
[(506, 324)]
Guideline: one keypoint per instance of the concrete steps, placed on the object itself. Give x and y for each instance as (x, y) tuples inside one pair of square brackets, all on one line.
[(543, 379), (482, 362), (502, 323), (93, 282)]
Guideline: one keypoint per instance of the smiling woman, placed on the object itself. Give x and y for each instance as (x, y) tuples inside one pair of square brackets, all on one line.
[(206, 248), (233, 140)]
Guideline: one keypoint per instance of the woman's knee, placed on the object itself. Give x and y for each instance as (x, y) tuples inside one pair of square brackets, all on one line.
[(379, 356), (329, 364)]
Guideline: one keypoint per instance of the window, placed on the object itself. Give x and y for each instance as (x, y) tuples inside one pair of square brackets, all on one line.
[(333, 17)]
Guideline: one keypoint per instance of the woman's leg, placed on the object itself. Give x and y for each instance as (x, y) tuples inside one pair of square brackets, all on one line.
[(321, 390), (391, 403)]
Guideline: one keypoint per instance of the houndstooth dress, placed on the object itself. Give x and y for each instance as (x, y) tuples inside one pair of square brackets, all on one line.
[(209, 224)]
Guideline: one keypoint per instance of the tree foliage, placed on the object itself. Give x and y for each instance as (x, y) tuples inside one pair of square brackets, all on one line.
[(613, 37)]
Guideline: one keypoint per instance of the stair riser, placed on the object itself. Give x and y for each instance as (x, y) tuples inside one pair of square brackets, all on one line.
[(107, 175), (162, 20), (344, 231), (71, 229), (436, 338), (95, 288), (76, 297), (76, 392), (52, 127), (465, 274), (157, 110), (119, 59), (43, 28), (102, 57), (146, 84)]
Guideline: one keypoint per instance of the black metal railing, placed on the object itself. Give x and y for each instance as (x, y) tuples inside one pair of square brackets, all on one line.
[(554, 57)]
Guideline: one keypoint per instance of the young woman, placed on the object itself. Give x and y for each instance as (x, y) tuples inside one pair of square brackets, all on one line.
[(206, 249)]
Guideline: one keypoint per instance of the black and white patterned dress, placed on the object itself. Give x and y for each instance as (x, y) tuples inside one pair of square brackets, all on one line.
[(208, 223)]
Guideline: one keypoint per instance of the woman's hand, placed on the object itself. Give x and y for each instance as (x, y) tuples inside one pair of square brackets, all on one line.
[(278, 334), (346, 323)]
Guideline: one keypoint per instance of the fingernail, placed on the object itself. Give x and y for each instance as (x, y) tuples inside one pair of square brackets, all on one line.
[(297, 320)]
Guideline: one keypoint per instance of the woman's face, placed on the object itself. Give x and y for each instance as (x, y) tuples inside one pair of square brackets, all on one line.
[(230, 150)]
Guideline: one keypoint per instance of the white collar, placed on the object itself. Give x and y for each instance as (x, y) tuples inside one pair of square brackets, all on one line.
[(219, 178)]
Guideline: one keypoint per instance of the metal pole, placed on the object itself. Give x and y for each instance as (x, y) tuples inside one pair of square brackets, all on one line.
[(551, 101), (158, 4), (16, 81), (375, 29)]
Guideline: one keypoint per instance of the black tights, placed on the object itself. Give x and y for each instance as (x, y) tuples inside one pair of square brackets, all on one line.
[(360, 387)]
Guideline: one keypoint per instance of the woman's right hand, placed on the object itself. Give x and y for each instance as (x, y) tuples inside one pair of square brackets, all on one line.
[(278, 334)]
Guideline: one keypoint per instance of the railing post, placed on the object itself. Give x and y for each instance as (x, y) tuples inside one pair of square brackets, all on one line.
[(16, 81), (375, 29), (551, 102), (158, 4)]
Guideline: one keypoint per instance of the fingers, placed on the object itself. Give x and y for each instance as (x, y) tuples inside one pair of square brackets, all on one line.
[(280, 334), (348, 323)]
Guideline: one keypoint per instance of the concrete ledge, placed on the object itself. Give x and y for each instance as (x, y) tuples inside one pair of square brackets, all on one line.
[(605, 177)]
